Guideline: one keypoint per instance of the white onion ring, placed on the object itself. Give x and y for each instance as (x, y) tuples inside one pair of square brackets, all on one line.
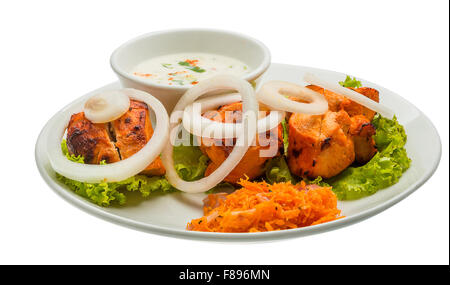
[(273, 94), (244, 138), (106, 106), (350, 94), (196, 124), (116, 171)]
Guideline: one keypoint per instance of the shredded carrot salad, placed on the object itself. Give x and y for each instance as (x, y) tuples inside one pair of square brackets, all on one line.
[(259, 206)]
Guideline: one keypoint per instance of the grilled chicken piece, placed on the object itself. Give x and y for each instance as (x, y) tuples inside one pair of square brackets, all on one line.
[(252, 164), (354, 109), (113, 141), (92, 141), (320, 145), (337, 102), (325, 145), (334, 100), (362, 131), (132, 131)]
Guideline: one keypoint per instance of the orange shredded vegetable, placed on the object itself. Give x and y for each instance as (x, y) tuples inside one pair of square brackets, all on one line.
[(259, 206)]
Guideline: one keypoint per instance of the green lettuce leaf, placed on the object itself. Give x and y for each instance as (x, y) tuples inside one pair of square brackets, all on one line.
[(190, 162), (349, 82), (284, 125), (102, 194), (318, 181), (277, 171), (383, 170), (70, 157), (221, 187)]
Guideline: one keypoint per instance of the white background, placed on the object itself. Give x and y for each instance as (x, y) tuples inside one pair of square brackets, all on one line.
[(53, 52)]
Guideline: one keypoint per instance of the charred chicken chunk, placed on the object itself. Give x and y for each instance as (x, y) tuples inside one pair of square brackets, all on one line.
[(92, 141), (113, 141), (320, 145), (362, 132), (252, 164), (132, 131), (325, 145), (354, 109), (337, 102)]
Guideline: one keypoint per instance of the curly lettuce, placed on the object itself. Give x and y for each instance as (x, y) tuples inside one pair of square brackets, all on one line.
[(190, 162), (349, 82), (102, 194), (383, 170), (284, 125), (190, 166), (318, 181), (277, 171)]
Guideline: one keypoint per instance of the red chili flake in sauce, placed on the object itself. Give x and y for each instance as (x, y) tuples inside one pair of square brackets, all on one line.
[(142, 74), (192, 62)]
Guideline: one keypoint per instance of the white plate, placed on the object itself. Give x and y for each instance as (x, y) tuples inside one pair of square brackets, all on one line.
[(168, 214)]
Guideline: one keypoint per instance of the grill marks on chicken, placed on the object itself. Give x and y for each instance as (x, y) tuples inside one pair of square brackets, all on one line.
[(338, 102), (325, 145), (113, 141), (252, 164), (132, 131), (320, 145), (334, 100), (362, 132), (354, 109), (92, 141)]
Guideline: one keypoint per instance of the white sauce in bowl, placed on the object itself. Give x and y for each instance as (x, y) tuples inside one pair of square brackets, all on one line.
[(187, 68)]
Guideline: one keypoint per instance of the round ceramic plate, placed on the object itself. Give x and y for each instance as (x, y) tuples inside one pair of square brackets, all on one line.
[(168, 214)]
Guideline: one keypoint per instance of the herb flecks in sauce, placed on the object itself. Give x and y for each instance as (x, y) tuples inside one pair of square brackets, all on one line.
[(191, 65), (167, 65), (186, 69)]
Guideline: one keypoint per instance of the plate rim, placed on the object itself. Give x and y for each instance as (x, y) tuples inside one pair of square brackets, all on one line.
[(97, 211)]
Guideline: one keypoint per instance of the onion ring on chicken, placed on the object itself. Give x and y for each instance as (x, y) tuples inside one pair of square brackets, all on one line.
[(350, 94), (196, 124), (244, 138), (275, 95), (116, 171)]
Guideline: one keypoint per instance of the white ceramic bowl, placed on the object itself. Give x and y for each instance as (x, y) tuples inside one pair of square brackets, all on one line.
[(123, 59)]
